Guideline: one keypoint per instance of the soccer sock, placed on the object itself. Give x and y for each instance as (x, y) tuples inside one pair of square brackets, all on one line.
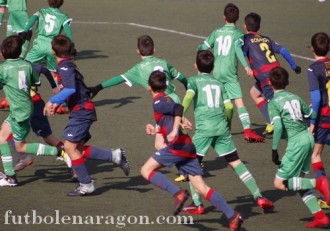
[(158, 179), (96, 153), (79, 167), (263, 108), (244, 117), (41, 149), (310, 200), (229, 110), (25, 48), (318, 169), (197, 199), (300, 183), (217, 200), (247, 178), (7, 159)]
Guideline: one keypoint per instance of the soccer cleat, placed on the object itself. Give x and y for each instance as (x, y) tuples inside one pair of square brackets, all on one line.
[(235, 222), (252, 137), (66, 158), (83, 190), (193, 209), (269, 129), (180, 178), (323, 204), (8, 181), (265, 204), (4, 103), (179, 199), (319, 222), (24, 161), (62, 110), (119, 158), (322, 185)]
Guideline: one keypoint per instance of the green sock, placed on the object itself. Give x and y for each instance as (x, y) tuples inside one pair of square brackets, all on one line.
[(197, 199), (229, 110), (248, 180), (300, 183), (7, 159), (310, 200), (244, 117), (41, 149)]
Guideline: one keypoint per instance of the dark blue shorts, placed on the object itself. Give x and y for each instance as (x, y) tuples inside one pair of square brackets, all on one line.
[(76, 131), (39, 123), (186, 166), (267, 91), (322, 136)]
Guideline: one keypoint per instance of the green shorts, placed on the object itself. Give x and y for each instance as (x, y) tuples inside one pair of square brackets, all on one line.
[(42, 49), (16, 22), (233, 90), (297, 157), (223, 144), (20, 130)]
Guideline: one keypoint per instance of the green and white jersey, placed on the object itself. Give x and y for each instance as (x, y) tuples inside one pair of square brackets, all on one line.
[(16, 5), (17, 76), (209, 114), (226, 42), (140, 72), (291, 110), (51, 21)]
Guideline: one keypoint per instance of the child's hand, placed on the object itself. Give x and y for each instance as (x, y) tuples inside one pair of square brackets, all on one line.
[(186, 124), (311, 128), (151, 130), (249, 72), (170, 137), (50, 108), (56, 90)]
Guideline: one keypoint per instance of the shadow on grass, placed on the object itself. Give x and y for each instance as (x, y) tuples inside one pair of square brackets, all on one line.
[(90, 54), (120, 102)]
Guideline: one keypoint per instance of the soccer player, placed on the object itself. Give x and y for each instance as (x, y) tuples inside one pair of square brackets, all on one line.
[(260, 51), (227, 42), (318, 79), (140, 72), (175, 147), (211, 128), (82, 115), (287, 112), (17, 76)]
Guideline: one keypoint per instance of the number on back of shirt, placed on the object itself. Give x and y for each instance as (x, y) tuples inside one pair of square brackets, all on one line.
[(50, 23), (293, 107), (22, 81), (224, 44), (212, 95)]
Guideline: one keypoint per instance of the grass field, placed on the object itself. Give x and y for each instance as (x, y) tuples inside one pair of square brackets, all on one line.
[(105, 33)]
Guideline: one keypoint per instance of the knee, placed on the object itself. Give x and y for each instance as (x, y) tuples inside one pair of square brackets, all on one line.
[(229, 106), (145, 172)]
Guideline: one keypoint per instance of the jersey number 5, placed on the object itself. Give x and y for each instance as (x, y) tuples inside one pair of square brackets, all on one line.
[(50, 23)]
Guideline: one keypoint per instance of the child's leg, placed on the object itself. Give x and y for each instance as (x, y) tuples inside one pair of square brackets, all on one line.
[(229, 111), (317, 164)]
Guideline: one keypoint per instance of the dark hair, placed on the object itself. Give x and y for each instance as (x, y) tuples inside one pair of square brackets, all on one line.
[(231, 13), (321, 43), (62, 46), (205, 61), (157, 81), (55, 3), (279, 78), (145, 45), (252, 22), (11, 47)]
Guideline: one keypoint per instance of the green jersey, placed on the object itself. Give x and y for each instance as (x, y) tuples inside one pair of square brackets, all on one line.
[(210, 119), (16, 5), (17, 76), (139, 73), (227, 42), (51, 21), (291, 110)]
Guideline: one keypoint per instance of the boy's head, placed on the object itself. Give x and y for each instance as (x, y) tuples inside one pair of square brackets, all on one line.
[(320, 44), (279, 78), (55, 3), (157, 81), (252, 22), (145, 45), (231, 13), (204, 61), (11, 47), (62, 46)]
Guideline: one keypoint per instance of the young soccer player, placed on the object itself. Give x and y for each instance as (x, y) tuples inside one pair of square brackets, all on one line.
[(260, 51), (211, 128), (227, 42), (175, 147), (318, 79), (82, 115), (287, 112), (140, 72), (17, 76)]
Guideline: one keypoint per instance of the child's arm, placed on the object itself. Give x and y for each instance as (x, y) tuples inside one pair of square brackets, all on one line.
[(109, 83), (31, 21), (287, 56), (241, 58), (182, 78)]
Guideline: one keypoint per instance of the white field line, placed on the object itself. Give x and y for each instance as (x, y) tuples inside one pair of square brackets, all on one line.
[(169, 31)]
